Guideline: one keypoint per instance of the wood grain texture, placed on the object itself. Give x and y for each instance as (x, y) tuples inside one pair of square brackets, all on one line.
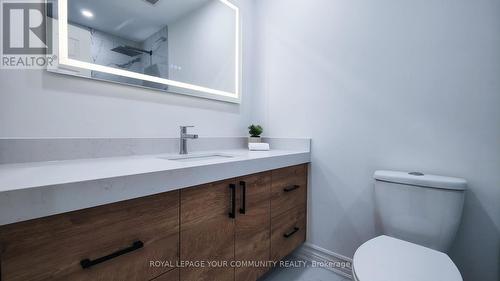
[(172, 275), (207, 232), (285, 223), (252, 241), (282, 201), (51, 248)]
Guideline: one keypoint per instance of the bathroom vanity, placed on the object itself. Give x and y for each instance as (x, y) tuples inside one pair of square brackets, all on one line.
[(185, 233), (258, 217)]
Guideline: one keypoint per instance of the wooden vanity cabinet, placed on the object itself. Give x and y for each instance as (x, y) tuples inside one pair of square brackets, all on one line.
[(110, 242), (254, 218)]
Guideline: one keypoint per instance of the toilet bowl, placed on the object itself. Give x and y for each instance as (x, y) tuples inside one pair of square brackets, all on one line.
[(419, 215), (389, 259)]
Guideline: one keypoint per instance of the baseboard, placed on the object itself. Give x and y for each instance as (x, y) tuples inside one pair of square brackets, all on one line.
[(326, 259)]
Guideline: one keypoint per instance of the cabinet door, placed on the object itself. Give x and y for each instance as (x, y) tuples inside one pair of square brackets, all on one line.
[(207, 231), (252, 240)]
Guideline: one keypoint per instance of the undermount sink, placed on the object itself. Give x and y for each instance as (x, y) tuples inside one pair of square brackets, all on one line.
[(197, 157)]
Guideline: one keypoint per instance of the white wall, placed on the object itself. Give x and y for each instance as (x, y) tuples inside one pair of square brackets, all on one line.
[(34, 103), (392, 84)]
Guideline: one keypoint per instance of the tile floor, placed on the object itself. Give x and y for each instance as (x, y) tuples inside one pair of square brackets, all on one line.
[(303, 274)]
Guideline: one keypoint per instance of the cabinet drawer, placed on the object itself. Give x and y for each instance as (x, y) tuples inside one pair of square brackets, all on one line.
[(120, 238), (289, 189), (288, 231)]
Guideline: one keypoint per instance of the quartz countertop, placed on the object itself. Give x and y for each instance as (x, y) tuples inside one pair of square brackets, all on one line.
[(37, 189), (37, 174)]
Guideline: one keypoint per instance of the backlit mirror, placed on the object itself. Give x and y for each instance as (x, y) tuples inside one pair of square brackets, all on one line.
[(181, 46)]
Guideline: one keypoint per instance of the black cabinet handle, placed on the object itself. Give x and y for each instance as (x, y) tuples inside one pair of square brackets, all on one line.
[(243, 208), (291, 188), (287, 235), (87, 263), (232, 214)]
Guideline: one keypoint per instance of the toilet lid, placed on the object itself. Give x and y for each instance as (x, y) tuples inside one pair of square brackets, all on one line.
[(389, 259)]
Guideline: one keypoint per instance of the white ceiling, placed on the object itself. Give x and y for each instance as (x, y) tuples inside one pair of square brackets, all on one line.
[(130, 19)]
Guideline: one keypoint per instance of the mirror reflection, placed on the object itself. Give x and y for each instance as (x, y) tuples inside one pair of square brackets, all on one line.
[(190, 41)]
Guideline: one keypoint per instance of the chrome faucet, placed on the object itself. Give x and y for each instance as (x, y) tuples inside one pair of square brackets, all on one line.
[(184, 137)]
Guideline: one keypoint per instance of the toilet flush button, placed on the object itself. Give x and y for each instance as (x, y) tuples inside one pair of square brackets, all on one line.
[(416, 173)]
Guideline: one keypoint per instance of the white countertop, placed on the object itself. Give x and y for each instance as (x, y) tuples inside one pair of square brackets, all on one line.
[(37, 174), (32, 190)]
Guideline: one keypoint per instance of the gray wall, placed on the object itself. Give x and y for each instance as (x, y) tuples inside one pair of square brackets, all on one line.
[(392, 84)]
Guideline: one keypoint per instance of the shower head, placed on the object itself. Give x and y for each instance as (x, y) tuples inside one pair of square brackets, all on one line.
[(130, 51)]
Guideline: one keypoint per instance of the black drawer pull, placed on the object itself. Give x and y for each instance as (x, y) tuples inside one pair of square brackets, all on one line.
[(232, 214), (287, 235), (291, 188), (243, 208), (86, 263)]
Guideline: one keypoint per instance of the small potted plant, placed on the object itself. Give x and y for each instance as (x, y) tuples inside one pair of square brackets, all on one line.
[(255, 131)]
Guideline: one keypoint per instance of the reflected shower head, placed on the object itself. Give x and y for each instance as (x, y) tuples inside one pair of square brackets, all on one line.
[(130, 51), (152, 2), (126, 51)]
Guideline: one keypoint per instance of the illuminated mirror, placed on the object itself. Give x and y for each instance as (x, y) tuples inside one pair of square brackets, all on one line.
[(181, 46)]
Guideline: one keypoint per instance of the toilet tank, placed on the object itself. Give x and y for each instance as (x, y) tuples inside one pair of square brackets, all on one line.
[(419, 208)]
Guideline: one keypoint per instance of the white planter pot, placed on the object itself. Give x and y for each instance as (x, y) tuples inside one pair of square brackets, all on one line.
[(254, 139)]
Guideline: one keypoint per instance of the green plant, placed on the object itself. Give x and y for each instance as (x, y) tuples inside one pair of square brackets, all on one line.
[(255, 130)]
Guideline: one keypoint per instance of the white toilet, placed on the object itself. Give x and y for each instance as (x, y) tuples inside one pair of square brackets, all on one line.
[(419, 215)]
